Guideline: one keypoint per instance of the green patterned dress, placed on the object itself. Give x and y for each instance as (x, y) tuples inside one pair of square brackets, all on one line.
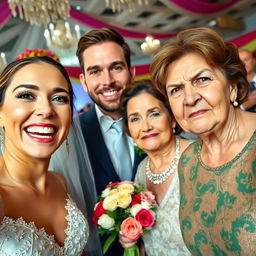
[(218, 205)]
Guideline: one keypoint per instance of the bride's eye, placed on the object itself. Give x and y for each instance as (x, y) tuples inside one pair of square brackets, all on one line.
[(26, 96), (60, 99)]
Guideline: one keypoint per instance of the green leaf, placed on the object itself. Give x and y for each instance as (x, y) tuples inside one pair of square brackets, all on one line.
[(132, 251), (139, 151), (109, 241)]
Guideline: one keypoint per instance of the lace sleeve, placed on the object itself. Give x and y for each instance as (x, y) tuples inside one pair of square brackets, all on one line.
[(140, 174)]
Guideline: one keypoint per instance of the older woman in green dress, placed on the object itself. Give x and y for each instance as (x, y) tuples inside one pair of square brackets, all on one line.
[(205, 83)]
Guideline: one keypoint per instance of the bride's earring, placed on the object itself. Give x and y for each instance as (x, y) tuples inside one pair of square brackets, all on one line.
[(2, 140)]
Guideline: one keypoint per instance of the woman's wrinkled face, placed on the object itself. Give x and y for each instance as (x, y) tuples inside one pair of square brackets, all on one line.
[(36, 112), (149, 122), (199, 95)]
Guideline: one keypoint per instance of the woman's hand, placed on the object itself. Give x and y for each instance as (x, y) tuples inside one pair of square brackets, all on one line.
[(126, 242)]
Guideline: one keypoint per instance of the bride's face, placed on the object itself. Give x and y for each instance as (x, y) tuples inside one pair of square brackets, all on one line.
[(149, 123), (36, 112)]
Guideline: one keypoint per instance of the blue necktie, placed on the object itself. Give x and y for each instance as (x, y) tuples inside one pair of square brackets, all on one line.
[(122, 155), (253, 85)]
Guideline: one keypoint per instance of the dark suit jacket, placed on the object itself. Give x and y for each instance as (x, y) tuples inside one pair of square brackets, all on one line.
[(102, 166)]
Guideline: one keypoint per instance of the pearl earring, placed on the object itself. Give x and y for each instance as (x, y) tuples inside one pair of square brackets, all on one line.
[(1, 141), (173, 130), (235, 103)]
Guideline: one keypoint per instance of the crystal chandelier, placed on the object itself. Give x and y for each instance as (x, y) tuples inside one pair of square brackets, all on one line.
[(3, 62), (59, 38), (150, 45), (40, 12), (122, 5)]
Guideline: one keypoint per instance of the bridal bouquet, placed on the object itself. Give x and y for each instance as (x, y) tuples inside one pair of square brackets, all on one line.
[(126, 207)]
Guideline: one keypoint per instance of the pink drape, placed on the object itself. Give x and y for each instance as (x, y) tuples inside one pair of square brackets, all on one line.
[(202, 7), (5, 12)]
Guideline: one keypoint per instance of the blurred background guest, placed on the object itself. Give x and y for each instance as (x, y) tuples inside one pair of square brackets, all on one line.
[(249, 62), (205, 82), (149, 121)]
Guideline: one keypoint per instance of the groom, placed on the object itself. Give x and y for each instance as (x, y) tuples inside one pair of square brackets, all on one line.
[(104, 58)]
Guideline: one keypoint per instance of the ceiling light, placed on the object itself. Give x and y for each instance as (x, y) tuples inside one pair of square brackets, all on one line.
[(60, 39), (40, 12), (150, 45), (123, 5), (3, 62)]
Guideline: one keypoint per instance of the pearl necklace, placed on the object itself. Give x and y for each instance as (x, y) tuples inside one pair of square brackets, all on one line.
[(158, 178)]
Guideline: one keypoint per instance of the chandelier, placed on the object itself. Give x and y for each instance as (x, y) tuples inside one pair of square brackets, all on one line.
[(40, 12), (3, 62), (122, 5), (150, 45), (59, 38)]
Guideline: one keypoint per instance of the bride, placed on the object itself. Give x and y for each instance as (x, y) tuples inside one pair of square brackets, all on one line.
[(38, 217)]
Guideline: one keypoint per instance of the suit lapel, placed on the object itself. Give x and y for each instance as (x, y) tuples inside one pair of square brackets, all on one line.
[(97, 149)]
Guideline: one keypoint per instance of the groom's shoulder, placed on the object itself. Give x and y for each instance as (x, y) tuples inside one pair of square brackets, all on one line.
[(87, 116)]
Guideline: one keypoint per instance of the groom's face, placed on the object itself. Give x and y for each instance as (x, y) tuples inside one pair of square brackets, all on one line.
[(106, 75)]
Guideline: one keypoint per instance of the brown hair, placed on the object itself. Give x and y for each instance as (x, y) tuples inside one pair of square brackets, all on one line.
[(97, 36), (137, 88), (12, 68), (209, 44)]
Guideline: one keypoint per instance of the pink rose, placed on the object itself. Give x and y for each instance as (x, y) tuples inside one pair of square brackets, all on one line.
[(145, 218), (149, 197), (131, 228), (98, 211)]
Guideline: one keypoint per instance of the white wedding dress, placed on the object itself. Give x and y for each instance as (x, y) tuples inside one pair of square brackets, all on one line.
[(165, 236), (19, 238)]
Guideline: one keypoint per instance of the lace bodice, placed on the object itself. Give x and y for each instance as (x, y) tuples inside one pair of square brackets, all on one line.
[(19, 238), (165, 237)]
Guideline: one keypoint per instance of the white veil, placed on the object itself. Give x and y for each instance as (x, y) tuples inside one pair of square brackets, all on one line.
[(74, 164)]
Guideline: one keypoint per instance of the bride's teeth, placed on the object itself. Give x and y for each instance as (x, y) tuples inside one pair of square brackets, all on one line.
[(39, 129)]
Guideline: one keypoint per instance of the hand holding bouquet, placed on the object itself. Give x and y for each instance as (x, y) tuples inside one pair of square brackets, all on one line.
[(126, 207)]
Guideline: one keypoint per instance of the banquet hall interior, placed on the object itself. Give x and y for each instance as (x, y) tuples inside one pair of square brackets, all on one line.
[(30, 27)]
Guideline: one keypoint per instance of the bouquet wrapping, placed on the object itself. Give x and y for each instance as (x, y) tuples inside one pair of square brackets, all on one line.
[(127, 207)]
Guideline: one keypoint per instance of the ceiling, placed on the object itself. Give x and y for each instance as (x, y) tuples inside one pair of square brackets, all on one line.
[(161, 18)]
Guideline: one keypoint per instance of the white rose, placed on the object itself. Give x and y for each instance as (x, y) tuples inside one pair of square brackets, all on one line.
[(105, 221), (145, 205), (105, 192), (135, 208)]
